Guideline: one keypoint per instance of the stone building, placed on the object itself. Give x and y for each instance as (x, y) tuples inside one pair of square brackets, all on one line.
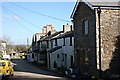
[(62, 48), (46, 30), (37, 36), (50, 46), (86, 37)]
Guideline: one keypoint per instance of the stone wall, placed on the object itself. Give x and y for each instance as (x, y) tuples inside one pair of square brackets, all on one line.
[(109, 37), (85, 45)]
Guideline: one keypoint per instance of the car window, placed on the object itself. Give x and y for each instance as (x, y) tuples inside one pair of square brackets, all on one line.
[(9, 64), (1, 63)]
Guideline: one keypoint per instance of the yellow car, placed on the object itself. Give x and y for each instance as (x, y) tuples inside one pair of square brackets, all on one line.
[(6, 68)]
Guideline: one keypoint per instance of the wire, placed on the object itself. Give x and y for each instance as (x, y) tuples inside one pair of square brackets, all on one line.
[(22, 18), (18, 22), (40, 13)]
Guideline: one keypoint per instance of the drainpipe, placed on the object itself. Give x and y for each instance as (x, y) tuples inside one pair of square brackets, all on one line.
[(100, 71)]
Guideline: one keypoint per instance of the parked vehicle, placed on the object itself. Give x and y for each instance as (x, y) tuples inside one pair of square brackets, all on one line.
[(6, 69), (6, 57)]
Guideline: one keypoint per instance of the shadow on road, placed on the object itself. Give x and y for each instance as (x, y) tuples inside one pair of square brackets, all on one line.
[(27, 71)]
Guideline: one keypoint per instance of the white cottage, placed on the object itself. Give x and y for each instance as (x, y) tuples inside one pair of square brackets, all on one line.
[(63, 50), (44, 45)]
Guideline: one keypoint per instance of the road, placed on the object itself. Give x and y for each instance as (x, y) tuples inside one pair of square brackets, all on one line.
[(26, 71)]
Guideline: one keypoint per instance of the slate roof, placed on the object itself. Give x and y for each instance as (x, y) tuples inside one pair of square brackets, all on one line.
[(51, 36), (67, 34), (97, 3), (105, 3), (54, 49)]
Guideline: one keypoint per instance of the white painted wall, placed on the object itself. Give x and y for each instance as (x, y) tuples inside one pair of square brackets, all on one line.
[(53, 57), (69, 50), (60, 42)]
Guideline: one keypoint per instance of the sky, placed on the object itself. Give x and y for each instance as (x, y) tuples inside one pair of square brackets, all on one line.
[(20, 20)]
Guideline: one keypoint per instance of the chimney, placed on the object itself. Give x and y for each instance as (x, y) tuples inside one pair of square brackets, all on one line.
[(71, 27), (66, 28), (44, 29), (79, 0)]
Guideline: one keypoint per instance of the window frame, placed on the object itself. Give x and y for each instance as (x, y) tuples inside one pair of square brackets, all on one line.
[(64, 41), (47, 43), (58, 56), (71, 41), (85, 27), (55, 42)]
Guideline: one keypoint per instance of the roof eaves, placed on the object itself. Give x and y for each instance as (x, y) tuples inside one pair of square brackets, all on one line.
[(76, 5), (89, 4), (51, 36), (110, 5), (54, 49), (106, 5), (67, 34)]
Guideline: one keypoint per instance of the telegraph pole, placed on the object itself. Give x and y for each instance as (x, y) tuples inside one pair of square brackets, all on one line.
[(27, 44)]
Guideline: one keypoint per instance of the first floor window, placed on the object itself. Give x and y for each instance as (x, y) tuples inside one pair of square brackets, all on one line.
[(55, 42), (85, 27)]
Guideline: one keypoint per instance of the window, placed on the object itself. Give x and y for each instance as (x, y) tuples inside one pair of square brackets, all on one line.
[(32, 55), (51, 44), (47, 44), (55, 42), (41, 44), (57, 55), (71, 60), (85, 27), (70, 41), (63, 41), (2, 63), (38, 45)]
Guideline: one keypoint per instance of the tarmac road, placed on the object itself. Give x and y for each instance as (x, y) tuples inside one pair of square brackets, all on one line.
[(26, 71)]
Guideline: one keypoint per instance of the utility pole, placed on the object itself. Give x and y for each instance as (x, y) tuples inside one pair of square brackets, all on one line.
[(27, 44)]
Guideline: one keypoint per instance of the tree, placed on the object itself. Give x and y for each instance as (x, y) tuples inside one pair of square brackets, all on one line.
[(2, 46), (8, 42), (20, 48)]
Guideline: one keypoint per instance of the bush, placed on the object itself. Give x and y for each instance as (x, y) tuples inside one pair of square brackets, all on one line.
[(62, 69)]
